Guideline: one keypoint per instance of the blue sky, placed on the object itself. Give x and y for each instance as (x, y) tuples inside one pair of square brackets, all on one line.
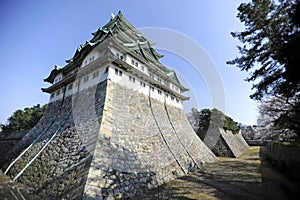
[(36, 35)]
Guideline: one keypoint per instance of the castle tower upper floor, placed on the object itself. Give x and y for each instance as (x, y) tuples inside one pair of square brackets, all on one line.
[(120, 53)]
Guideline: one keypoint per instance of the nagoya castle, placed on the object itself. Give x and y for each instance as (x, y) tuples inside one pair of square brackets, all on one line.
[(115, 123)]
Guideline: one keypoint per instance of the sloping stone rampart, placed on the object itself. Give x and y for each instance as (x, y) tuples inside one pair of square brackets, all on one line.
[(236, 144), (110, 142), (140, 148), (186, 134), (225, 143), (61, 169), (243, 145)]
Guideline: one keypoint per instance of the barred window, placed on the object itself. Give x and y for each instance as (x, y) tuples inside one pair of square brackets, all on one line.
[(142, 84), (118, 72), (132, 79), (95, 74), (86, 79)]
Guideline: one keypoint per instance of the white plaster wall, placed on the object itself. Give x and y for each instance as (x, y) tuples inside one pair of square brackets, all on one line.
[(128, 59), (57, 97), (58, 78), (175, 88), (102, 75), (124, 81), (118, 53), (94, 54), (93, 81)]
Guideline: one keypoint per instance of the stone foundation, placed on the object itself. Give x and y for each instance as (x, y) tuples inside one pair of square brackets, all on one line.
[(225, 143), (106, 141)]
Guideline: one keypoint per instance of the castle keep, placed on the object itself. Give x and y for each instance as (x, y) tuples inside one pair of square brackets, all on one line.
[(115, 123)]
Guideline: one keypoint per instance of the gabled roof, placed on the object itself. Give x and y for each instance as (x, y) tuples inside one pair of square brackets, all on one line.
[(54, 72), (125, 34), (173, 76)]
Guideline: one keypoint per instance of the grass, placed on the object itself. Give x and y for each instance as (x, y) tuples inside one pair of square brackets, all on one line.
[(251, 151)]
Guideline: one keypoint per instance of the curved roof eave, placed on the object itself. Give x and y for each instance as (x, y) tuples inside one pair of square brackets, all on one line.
[(53, 74)]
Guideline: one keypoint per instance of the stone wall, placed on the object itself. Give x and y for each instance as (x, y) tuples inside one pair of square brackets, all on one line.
[(225, 143), (137, 146), (186, 134), (235, 142), (61, 169), (106, 141), (285, 153), (221, 148), (285, 157)]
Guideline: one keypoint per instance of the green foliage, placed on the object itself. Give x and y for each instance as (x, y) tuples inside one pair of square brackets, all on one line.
[(271, 55), (214, 118), (269, 34), (231, 125), (24, 119)]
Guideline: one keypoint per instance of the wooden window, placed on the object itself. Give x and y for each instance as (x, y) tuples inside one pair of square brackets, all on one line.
[(118, 72), (142, 68), (52, 95), (86, 79), (92, 59), (159, 92), (132, 62), (172, 98), (70, 86), (95, 74), (142, 84), (136, 64), (57, 92), (132, 79), (152, 88)]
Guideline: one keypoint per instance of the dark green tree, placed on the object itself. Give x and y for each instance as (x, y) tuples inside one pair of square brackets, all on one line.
[(214, 118), (270, 30), (22, 120), (231, 125), (271, 53), (204, 119)]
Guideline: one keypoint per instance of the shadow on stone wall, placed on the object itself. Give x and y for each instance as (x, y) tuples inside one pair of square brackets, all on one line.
[(110, 176), (285, 178)]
